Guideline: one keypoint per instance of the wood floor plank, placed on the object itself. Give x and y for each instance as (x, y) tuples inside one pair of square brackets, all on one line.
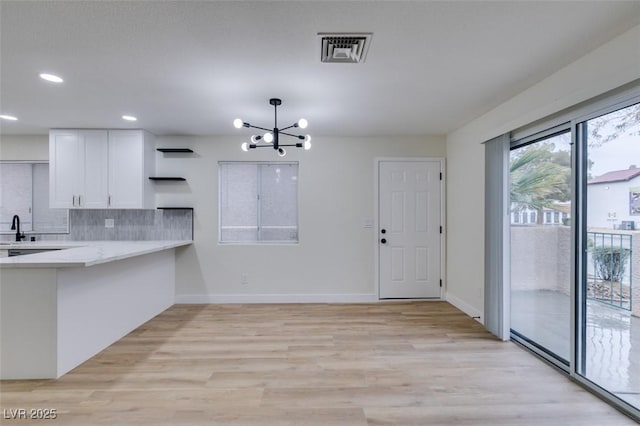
[(402, 363)]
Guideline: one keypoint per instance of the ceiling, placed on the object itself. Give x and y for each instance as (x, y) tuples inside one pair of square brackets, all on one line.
[(190, 68)]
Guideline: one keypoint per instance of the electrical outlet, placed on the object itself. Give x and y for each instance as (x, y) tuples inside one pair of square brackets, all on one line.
[(109, 223), (244, 279)]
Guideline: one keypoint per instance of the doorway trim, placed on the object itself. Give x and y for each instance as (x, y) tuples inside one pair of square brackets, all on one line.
[(376, 221)]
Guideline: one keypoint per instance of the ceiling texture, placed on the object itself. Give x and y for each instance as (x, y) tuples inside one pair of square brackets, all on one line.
[(191, 67)]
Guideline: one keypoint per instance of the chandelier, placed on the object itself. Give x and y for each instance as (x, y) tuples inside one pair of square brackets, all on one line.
[(271, 139)]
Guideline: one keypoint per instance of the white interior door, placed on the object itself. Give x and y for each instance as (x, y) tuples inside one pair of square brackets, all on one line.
[(409, 234)]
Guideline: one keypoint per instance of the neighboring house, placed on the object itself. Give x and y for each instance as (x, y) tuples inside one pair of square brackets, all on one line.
[(557, 214), (613, 200)]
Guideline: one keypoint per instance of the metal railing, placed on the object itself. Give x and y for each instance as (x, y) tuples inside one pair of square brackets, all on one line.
[(609, 274)]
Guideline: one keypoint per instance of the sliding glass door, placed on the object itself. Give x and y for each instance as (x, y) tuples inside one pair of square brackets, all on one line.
[(574, 243), (540, 232), (609, 293)]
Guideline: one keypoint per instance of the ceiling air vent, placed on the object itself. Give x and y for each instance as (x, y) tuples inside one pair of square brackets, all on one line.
[(344, 47)]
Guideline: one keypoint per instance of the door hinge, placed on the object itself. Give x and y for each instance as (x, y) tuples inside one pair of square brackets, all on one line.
[(440, 283), (441, 229), (440, 175)]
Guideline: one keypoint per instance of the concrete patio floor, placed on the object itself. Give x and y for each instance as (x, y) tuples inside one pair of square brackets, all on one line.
[(612, 338)]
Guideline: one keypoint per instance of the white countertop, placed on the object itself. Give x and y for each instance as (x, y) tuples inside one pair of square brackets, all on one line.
[(81, 253)]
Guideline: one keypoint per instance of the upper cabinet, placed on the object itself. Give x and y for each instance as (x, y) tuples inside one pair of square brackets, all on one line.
[(131, 162), (96, 169), (78, 169)]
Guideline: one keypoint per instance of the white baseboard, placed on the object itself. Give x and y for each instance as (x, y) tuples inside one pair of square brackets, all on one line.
[(275, 298), (465, 307)]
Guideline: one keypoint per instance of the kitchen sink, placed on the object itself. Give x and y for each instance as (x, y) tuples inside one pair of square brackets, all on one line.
[(22, 252)]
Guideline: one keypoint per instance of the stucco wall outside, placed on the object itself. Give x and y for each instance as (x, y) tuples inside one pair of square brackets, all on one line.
[(541, 258)]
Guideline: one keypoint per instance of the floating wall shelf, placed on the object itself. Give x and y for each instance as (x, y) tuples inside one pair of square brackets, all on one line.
[(168, 178), (174, 208), (174, 149)]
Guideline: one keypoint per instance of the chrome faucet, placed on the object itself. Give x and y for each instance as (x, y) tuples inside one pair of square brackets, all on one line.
[(14, 227)]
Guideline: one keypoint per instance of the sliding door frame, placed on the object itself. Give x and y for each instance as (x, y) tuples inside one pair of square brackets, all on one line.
[(574, 119), (579, 329), (521, 339)]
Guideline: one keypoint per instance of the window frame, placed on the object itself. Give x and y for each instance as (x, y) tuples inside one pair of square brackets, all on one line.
[(35, 231), (550, 217), (616, 102), (259, 207)]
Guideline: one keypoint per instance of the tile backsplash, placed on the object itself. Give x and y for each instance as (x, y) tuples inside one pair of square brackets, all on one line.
[(161, 224)]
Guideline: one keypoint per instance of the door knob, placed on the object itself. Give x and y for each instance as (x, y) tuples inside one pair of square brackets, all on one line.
[(383, 241), (383, 231)]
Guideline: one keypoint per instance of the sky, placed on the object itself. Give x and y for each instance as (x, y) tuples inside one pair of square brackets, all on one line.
[(617, 154)]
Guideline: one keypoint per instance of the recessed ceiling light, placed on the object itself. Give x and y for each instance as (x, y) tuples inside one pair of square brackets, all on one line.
[(129, 118), (50, 77), (8, 117)]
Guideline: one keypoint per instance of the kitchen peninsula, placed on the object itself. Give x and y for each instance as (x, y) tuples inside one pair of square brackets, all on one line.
[(60, 308)]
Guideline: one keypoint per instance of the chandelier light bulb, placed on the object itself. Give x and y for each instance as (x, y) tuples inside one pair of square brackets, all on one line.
[(274, 137)]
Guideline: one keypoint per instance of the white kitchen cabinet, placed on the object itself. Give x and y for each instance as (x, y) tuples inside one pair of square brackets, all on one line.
[(131, 162), (78, 169), (96, 169)]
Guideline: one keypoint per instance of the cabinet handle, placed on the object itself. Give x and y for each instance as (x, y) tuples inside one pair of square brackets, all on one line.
[(109, 200), (74, 201), (79, 201)]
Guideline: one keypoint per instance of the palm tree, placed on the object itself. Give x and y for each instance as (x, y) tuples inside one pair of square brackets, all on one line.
[(537, 181)]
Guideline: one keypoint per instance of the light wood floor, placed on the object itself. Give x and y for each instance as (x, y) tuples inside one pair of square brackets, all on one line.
[(365, 364)]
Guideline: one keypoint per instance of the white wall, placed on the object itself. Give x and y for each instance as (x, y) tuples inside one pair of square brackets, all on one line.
[(24, 148), (608, 203), (335, 257), (612, 65)]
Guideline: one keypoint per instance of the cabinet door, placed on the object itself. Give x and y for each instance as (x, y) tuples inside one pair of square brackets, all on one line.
[(94, 193), (65, 171), (126, 169)]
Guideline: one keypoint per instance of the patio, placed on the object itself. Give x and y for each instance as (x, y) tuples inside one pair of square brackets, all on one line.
[(612, 337)]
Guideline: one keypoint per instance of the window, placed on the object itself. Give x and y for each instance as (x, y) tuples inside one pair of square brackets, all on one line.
[(532, 217), (258, 202), (609, 316), (516, 218), (24, 190), (547, 217), (540, 270)]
